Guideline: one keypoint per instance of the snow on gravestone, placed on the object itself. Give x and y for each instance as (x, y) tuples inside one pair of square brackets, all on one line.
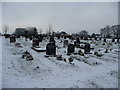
[(77, 43), (51, 49), (35, 42), (12, 39), (70, 49)]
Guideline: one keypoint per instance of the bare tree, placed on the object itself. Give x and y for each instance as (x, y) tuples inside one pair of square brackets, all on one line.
[(5, 29), (50, 30)]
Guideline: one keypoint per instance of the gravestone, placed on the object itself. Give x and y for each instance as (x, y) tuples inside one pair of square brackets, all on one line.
[(70, 49), (100, 38), (12, 39), (18, 36), (35, 42), (58, 37), (40, 38), (51, 49), (87, 48), (85, 38), (113, 40), (77, 43), (95, 38), (65, 43), (65, 37), (30, 38), (104, 39), (118, 40)]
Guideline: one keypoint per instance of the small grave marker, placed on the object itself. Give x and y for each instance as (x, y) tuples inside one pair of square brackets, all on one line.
[(70, 49)]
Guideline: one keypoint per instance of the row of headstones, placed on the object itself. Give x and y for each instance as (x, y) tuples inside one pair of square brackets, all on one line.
[(113, 40), (39, 38), (51, 49)]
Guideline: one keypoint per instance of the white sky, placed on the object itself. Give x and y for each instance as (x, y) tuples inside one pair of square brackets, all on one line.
[(69, 16)]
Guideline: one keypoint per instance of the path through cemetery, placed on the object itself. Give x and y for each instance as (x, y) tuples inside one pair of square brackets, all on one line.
[(89, 71)]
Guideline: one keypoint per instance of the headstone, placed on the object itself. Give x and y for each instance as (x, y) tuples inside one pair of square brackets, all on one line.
[(51, 49), (104, 39), (65, 43), (77, 43), (35, 42), (18, 36), (87, 48), (58, 37), (65, 37), (30, 38), (70, 49), (12, 39), (118, 40), (40, 38), (113, 40), (95, 38), (100, 38), (85, 38)]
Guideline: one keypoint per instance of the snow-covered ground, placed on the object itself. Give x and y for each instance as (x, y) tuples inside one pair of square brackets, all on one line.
[(85, 73)]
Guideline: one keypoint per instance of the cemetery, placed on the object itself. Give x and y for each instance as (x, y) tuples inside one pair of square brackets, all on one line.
[(50, 58)]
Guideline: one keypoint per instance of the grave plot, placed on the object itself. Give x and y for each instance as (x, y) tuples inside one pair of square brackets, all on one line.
[(88, 60), (39, 49)]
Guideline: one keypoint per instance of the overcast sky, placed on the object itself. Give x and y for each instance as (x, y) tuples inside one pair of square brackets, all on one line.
[(69, 16)]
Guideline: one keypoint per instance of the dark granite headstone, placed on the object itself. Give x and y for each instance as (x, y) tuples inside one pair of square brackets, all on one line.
[(35, 42), (12, 39), (113, 40), (58, 37), (100, 38), (30, 38), (77, 43), (70, 49), (95, 38), (87, 48), (40, 38), (51, 49), (104, 39), (118, 40)]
